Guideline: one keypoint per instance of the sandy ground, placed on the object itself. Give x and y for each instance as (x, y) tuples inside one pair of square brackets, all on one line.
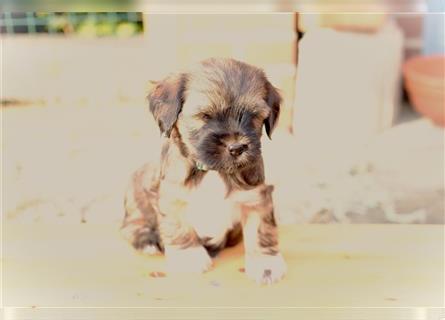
[(329, 265)]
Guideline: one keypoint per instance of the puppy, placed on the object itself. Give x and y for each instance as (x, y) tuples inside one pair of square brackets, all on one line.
[(209, 189)]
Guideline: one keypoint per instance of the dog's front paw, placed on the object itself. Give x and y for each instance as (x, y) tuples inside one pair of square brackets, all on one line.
[(189, 260), (150, 250), (265, 269)]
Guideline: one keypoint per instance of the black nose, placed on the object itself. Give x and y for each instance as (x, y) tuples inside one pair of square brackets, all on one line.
[(236, 149)]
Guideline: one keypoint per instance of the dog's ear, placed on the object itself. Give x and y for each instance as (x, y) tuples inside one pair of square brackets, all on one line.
[(165, 101), (273, 100)]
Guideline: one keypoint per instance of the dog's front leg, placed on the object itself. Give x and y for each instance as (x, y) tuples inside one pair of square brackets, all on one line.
[(183, 250), (263, 260)]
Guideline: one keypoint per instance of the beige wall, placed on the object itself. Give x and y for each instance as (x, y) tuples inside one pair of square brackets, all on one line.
[(265, 40)]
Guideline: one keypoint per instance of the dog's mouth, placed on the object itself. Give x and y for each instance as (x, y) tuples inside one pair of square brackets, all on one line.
[(226, 169), (222, 168), (224, 163)]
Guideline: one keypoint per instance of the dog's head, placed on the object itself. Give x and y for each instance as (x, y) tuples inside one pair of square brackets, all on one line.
[(218, 111)]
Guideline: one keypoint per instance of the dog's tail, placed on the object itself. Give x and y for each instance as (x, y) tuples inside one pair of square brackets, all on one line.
[(140, 224)]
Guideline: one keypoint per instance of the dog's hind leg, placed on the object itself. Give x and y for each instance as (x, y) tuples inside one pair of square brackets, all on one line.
[(140, 225)]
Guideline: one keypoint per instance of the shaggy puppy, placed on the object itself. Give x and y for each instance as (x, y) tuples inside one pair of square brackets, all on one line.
[(209, 189)]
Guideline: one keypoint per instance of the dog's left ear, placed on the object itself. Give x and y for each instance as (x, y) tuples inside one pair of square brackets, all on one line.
[(166, 99), (273, 100)]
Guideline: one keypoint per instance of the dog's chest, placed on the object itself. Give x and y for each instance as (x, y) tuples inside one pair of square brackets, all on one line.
[(207, 210)]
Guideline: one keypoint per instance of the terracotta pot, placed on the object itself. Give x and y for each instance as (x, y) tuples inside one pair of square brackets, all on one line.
[(425, 83)]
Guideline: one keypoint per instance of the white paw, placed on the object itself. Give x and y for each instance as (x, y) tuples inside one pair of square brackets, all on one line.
[(190, 260), (150, 250), (265, 269)]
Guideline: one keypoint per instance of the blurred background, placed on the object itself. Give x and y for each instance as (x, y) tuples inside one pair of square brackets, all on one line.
[(360, 137)]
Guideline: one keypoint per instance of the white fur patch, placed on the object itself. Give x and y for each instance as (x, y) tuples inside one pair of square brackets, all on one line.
[(210, 214), (150, 250)]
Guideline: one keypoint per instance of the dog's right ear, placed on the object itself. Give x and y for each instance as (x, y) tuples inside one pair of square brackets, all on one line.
[(165, 101)]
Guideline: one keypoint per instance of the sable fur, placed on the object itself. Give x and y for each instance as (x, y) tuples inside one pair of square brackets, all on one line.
[(201, 113)]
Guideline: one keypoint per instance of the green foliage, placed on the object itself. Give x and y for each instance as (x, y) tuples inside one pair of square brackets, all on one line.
[(107, 25), (100, 24), (127, 29)]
